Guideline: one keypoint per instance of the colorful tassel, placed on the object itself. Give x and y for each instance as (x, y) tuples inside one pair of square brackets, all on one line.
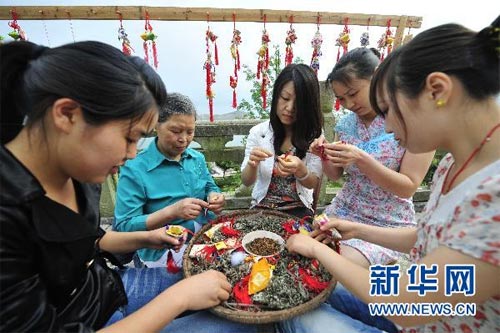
[(263, 64), (290, 39), (235, 54), (343, 39), (209, 67), (123, 37), (316, 43), (149, 41), (17, 33)]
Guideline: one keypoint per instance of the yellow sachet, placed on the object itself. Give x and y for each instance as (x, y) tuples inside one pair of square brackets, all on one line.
[(260, 276)]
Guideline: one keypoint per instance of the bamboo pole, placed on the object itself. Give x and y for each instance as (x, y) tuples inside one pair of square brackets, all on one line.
[(201, 14)]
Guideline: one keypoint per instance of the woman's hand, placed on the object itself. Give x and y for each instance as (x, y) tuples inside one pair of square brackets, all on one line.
[(316, 147), (203, 290), (216, 202), (346, 228), (290, 165), (342, 154), (159, 239), (257, 155), (302, 244), (189, 208)]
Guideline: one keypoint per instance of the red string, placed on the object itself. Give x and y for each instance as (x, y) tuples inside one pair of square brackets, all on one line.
[(238, 59), (216, 54), (469, 159)]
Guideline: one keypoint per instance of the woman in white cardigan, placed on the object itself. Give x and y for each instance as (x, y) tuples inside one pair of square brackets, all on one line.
[(277, 160)]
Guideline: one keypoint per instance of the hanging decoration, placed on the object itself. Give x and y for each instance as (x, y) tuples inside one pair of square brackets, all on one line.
[(343, 39), (45, 27), (71, 25), (17, 33), (385, 42), (316, 43), (149, 41), (365, 36), (235, 54), (263, 64), (123, 37), (209, 67), (409, 35), (290, 39)]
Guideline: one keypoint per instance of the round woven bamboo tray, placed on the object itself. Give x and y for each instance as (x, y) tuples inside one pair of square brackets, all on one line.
[(260, 316)]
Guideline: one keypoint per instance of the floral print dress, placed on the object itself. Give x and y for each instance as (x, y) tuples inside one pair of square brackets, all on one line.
[(466, 219), (360, 199)]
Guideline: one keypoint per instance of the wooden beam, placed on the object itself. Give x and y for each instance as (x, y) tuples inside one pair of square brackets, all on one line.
[(200, 14), (398, 39)]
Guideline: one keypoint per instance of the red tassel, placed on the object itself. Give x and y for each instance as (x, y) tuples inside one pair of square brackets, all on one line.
[(234, 99), (208, 80), (258, 71), (216, 54), (171, 265), (311, 283), (240, 291), (211, 108), (146, 52), (155, 56), (238, 59), (263, 95), (267, 57), (208, 252), (337, 104), (229, 232)]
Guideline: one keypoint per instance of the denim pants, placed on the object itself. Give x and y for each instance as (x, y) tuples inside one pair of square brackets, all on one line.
[(342, 313), (144, 284)]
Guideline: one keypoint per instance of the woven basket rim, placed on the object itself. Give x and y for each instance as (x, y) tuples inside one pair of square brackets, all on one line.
[(263, 316)]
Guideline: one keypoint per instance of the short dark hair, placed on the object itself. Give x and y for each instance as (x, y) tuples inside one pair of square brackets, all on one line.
[(176, 104), (106, 83), (309, 118)]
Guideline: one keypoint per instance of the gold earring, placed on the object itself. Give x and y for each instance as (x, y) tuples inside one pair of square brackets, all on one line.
[(440, 103)]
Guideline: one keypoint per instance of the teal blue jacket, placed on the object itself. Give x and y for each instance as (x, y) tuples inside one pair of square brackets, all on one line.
[(152, 181)]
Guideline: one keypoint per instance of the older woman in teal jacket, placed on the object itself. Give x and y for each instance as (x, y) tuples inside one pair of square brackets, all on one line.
[(168, 183)]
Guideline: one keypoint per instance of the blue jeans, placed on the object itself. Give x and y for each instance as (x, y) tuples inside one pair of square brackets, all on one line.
[(343, 313), (144, 284)]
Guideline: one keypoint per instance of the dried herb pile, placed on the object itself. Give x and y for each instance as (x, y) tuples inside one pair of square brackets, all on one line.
[(263, 246), (295, 279)]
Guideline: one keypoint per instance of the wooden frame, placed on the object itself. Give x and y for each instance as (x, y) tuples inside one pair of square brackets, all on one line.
[(215, 14)]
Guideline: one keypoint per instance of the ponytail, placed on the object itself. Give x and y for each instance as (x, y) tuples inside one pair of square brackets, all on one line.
[(14, 60), (105, 83)]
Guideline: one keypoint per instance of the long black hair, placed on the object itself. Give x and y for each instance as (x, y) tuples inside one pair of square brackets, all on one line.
[(107, 84), (472, 58), (308, 117), (359, 63)]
